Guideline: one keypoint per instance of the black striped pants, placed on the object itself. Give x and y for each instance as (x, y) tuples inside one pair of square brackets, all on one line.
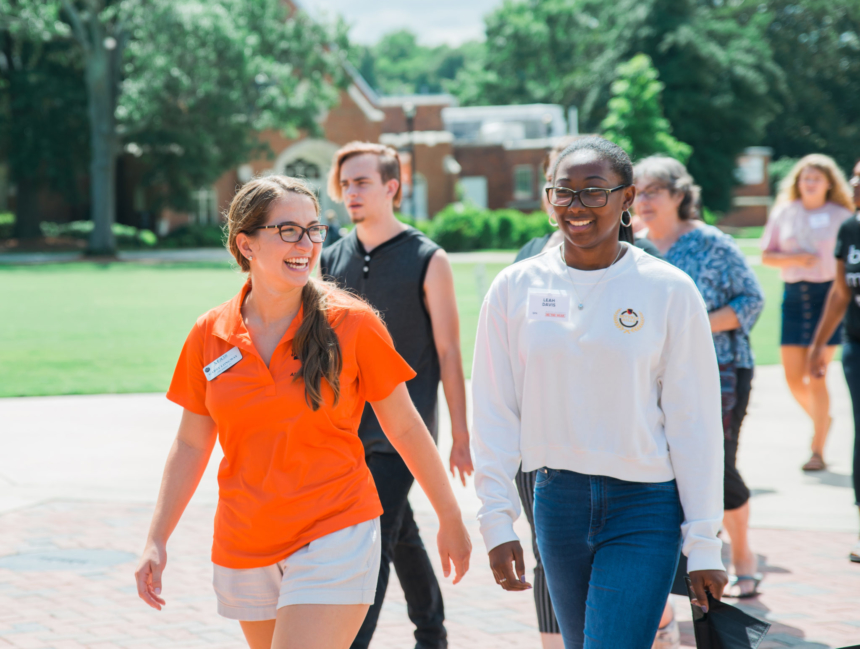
[(546, 616)]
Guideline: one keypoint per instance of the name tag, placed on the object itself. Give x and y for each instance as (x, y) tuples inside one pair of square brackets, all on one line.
[(222, 363), (819, 220), (549, 305)]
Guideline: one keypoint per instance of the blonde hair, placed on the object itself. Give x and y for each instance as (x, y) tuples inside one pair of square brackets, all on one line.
[(389, 166), (315, 344), (839, 193)]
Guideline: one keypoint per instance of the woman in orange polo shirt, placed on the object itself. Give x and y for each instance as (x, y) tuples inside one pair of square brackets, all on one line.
[(279, 375)]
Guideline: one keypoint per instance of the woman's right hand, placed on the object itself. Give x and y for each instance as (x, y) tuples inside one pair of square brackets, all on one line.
[(501, 558), (148, 574), (816, 361), (454, 546)]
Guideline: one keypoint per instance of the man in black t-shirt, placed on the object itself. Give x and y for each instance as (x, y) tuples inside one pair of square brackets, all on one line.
[(409, 280), (844, 300)]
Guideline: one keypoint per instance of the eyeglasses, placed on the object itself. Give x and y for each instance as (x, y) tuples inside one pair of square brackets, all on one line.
[(292, 233), (647, 195), (590, 196)]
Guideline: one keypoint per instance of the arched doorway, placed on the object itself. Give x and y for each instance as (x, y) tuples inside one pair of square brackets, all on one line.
[(310, 160)]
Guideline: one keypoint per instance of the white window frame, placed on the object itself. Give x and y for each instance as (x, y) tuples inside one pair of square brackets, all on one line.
[(520, 193)]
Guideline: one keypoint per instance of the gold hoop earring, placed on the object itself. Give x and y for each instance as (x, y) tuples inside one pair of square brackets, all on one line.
[(629, 219), (551, 222)]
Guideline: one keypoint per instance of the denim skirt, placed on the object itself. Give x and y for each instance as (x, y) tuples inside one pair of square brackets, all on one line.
[(802, 305)]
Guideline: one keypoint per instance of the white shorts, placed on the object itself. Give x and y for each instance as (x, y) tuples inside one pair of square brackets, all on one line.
[(339, 568)]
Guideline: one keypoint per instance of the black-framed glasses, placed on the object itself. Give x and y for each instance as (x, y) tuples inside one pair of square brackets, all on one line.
[(590, 196), (292, 233)]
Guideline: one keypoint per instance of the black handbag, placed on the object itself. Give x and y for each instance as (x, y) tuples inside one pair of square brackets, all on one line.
[(724, 626)]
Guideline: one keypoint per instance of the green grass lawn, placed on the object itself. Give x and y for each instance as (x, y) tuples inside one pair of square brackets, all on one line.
[(103, 328)]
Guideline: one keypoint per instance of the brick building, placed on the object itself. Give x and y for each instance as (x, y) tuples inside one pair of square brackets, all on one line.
[(490, 155)]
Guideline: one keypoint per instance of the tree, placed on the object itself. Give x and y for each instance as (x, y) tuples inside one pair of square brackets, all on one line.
[(399, 65), (817, 45), (185, 85), (635, 119), (43, 135), (718, 73)]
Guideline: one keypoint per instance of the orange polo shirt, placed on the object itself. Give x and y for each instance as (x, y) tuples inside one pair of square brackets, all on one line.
[(289, 475)]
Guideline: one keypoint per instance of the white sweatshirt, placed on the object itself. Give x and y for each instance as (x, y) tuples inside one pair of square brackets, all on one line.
[(627, 387)]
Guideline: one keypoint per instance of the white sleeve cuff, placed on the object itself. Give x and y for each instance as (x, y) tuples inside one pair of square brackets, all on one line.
[(502, 531), (705, 558)]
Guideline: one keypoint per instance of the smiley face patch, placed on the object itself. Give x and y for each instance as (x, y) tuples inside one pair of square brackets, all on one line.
[(628, 320)]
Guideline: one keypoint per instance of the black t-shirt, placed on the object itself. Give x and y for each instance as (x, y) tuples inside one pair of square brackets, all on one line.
[(848, 250), (391, 277)]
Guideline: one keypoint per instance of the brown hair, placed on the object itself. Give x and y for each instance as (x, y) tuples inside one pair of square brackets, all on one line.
[(315, 344), (672, 175), (389, 166), (839, 192)]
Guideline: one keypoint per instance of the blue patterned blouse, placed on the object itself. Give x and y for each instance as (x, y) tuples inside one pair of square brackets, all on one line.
[(724, 278)]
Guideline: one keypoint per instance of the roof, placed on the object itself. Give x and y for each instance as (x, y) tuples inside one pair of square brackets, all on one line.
[(442, 99)]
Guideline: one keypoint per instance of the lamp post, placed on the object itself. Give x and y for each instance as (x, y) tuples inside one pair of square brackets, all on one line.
[(409, 112)]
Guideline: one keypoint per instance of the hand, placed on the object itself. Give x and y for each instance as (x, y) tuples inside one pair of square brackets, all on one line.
[(806, 259), (461, 458), (454, 545), (816, 362), (148, 574), (501, 558), (713, 581)]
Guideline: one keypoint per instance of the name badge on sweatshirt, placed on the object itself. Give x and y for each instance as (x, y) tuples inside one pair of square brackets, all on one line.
[(548, 305), (222, 363), (819, 220)]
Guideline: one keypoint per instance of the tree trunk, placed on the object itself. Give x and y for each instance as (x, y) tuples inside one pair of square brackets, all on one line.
[(27, 210), (102, 93)]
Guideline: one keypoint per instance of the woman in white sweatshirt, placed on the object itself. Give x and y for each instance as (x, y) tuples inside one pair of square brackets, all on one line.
[(594, 364)]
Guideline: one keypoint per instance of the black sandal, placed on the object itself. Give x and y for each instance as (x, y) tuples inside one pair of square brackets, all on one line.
[(736, 581)]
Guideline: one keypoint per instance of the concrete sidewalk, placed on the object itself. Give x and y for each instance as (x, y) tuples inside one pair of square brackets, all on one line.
[(78, 476)]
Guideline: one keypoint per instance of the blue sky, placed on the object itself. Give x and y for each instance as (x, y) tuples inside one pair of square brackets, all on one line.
[(435, 22)]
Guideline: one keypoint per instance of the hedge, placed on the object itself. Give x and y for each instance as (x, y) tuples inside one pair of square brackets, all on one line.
[(461, 227), (127, 236)]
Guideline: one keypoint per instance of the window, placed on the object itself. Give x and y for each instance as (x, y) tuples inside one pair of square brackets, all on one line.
[(523, 182), (474, 190), (301, 168), (207, 205)]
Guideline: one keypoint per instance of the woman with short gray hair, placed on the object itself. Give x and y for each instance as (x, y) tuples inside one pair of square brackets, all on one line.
[(668, 202)]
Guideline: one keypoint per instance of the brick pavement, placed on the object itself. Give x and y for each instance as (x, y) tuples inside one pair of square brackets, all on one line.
[(811, 592)]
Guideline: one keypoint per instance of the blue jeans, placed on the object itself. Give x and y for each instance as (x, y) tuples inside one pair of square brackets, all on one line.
[(610, 549), (851, 367)]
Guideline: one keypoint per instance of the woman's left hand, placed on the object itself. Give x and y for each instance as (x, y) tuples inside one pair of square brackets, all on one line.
[(708, 581), (461, 457), (454, 546)]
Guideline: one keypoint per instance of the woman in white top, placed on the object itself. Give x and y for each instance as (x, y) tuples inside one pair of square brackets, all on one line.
[(813, 201), (594, 365)]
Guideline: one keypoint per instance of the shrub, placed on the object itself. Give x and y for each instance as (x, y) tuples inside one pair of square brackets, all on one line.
[(533, 225), (127, 236), (508, 225), (7, 224), (195, 236), (461, 227), (421, 226)]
